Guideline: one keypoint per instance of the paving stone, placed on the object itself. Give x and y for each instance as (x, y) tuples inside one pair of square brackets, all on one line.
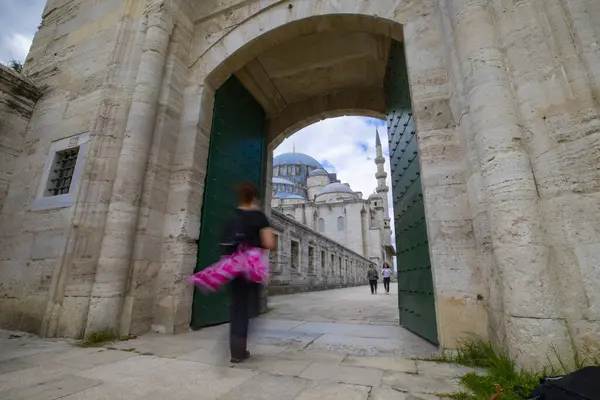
[(55, 355), (386, 363), (52, 389), (361, 346), (334, 391), (309, 355), (14, 364), (208, 385), (33, 376), (118, 370), (420, 383), (94, 359), (213, 357), (338, 373), (267, 387), (445, 369), (387, 393), (275, 366)]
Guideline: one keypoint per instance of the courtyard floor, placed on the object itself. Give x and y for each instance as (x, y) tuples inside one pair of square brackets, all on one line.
[(339, 344)]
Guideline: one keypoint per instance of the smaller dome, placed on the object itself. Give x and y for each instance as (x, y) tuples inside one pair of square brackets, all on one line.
[(336, 188), (375, 196), (288, 196), (318, 172), (282, 181)]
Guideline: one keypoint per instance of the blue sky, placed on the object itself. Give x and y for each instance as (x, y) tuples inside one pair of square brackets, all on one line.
[(19, 21), (346, 146)]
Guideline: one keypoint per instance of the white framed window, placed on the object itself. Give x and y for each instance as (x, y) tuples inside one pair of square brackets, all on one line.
[(321, 225), (60, 177)]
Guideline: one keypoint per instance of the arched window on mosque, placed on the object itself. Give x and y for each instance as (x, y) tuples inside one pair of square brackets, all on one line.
[(321, 225), (340, 222), (276, 171), (289, 170)]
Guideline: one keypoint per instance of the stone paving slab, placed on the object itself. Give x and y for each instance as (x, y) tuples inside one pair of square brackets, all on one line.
[(384, 363), (53, 389), (268, 387), (445, 370), (276, 366), (334, 391), (387, 393), (292, 359), (339, 373), (420, 383)]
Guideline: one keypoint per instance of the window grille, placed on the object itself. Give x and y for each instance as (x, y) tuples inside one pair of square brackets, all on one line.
[(62, 171)]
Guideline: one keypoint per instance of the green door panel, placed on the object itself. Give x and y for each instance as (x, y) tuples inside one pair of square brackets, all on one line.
[(237, 152), (415, 284)]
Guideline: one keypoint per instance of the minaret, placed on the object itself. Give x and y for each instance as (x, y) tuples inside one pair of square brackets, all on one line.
[(382, 187)]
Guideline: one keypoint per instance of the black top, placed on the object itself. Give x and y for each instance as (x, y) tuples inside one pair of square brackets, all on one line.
[(254, 221), (244, 227)]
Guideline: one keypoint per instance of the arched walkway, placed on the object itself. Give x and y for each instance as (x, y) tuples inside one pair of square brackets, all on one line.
[(268, 55)]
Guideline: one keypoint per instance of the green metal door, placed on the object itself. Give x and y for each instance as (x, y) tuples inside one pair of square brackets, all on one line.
[(415, 285), (237, 152)]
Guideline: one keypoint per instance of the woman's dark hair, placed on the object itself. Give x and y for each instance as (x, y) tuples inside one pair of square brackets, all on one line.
[(246, 192), (386, 265)]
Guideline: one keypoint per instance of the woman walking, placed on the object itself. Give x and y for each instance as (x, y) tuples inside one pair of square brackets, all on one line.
[(249, 227), (387, 276), (372, 276)]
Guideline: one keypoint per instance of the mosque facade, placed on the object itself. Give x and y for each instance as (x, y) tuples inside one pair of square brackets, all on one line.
[(305, 192)]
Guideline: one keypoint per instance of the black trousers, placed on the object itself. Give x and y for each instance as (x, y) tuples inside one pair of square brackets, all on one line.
[(244, 304), (373, 286), (386, 284)]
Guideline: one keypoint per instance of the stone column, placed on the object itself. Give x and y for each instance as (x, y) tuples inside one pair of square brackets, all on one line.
[(518, 241), (119, 234)]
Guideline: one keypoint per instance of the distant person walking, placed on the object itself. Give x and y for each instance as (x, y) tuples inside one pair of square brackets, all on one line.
[(387, 276), (373, 276)]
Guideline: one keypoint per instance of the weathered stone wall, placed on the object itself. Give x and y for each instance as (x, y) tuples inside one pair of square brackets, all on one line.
[(506, 103), (295, 271), (17, 100)]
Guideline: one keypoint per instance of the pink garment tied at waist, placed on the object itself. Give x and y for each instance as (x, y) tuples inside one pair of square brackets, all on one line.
[(251, 262)]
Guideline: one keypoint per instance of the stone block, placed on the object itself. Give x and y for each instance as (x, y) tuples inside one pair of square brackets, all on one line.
[(383, 363), (339, 373), (334, 391), (446, 370), (266, 387), (50, 244), (388, 393), (52, 389), (276, 366), (420, 383)]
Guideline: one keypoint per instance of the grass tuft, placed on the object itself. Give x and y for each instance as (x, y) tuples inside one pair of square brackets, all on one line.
[(502, 372), (98, 339)]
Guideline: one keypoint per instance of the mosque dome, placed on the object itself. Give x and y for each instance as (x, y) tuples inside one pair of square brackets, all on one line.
[(375, 196), (319, 172), (282, 181), (296, 159), (336, 188)]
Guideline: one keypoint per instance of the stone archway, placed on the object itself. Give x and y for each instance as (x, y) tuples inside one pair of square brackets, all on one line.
[(234, 52), (508, 148)]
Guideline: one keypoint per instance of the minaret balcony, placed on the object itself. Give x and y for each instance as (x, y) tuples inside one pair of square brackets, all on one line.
[(380, 175), (379, 160)]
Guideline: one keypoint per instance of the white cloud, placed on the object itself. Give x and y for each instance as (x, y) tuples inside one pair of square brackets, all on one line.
[(15, 46), (348, 144)]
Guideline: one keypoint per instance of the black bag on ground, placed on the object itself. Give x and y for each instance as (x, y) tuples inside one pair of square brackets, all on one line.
[(583, 384)]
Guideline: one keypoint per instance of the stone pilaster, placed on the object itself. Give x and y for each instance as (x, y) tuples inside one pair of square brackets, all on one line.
[(117, 245), (518, 241)]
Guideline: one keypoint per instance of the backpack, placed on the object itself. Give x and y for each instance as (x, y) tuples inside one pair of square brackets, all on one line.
[(583, 384), (233, 235)]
